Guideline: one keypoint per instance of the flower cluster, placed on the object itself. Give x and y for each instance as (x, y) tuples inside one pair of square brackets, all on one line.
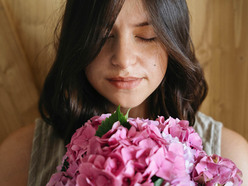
[(160, 152)]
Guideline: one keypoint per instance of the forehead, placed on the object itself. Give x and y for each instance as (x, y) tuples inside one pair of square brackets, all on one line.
[(132, 12)]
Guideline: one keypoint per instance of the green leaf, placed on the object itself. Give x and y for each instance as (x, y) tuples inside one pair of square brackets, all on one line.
[(126, 116), (107, 124), (158, 182)]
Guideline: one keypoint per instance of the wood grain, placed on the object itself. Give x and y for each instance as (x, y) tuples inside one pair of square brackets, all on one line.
[(18, 93), (34, 22), (219, 31)]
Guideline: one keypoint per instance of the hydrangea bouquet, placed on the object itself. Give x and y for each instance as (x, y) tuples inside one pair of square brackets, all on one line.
[(117, 150)]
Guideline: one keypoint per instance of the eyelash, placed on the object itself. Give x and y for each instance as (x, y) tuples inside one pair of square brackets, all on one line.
[(147, 39), (140, 38)]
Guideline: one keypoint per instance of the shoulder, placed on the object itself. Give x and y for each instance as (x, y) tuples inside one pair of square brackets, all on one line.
[(233, 145), (235, 148), (15, 156)]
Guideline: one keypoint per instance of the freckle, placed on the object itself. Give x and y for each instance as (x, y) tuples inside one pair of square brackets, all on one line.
[(154, 65)]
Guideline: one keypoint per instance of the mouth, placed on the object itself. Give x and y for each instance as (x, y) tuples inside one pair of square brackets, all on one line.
[(125, 82)]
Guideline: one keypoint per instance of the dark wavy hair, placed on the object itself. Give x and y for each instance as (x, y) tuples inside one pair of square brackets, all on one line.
[(68, 100)]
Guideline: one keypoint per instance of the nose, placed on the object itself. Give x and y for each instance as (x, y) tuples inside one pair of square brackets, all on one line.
[(123, 54)]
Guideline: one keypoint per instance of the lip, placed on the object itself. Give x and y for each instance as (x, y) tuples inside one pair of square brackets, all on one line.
[(125, 82)]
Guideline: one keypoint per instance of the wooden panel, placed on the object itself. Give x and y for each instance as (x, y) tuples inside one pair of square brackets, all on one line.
[(18, 94), (219, 31), (34, 22)]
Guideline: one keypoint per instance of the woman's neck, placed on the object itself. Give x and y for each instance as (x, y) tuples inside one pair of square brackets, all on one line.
[(139, 111)]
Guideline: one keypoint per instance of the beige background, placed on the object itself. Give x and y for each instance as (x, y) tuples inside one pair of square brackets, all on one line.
[(219, 31)]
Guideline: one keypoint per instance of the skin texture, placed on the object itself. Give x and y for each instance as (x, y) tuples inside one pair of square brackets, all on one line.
[(126, 54), (235, 148)]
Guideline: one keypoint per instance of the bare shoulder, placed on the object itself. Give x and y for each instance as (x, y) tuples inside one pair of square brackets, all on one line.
[(235, 147), (15, 154)]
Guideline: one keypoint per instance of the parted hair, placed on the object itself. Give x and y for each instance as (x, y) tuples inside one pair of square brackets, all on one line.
[(68, 100)]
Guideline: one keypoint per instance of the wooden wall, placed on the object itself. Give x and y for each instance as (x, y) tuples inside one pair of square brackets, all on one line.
[(219, 32), (26, 52), (220, 35)]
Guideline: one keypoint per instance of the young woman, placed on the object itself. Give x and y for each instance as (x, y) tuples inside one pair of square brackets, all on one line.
[(137, 54)]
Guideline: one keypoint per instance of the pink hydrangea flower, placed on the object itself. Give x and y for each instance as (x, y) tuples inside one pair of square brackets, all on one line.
[(167, 149), (217, 170), (89, 175)]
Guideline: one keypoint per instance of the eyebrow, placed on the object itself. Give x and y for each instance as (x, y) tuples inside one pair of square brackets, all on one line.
[(142, 24)]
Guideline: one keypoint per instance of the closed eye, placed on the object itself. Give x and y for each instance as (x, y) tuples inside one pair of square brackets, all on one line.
[(146, 39)]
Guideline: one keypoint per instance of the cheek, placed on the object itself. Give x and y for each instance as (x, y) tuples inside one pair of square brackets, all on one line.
[(97, 66), (163, 64), (159, 62), (92, 72)]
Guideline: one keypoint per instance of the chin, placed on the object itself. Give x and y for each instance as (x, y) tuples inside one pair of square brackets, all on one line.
[(125, 105), (129, 103)]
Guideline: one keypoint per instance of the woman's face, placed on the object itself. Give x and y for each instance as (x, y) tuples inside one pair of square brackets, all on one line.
[(132, 63)]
